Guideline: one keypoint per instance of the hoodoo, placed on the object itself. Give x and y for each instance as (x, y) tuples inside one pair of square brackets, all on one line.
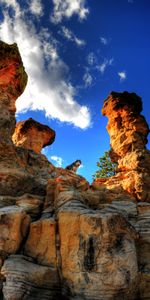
[(128, 132)]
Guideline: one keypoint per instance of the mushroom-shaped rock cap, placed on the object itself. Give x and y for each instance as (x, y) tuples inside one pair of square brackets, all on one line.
[(13, 78), (129, 102), (33, 135)]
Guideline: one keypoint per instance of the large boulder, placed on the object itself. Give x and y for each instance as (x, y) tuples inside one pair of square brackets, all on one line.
[(41, 242), (14, 224)]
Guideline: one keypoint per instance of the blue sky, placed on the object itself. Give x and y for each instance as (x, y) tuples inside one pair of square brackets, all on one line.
[(75, 52)]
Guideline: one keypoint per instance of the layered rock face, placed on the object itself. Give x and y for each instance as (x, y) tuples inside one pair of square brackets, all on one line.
[(61, 238), (97, 255)]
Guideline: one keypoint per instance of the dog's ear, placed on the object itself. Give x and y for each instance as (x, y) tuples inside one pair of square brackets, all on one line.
[(78, 161)]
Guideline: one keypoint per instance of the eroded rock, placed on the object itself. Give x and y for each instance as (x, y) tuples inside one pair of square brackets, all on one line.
[(13, 80), (14, 224), (128, 131), (98, 255), (84, 242), (41, 242), (143, 226), (31, 204), (21, 170), (33, 135), (27, 280)]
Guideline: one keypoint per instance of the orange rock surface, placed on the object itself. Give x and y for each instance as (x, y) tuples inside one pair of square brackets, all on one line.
[(13, 228), (33, 135), (13, 80), (18, 167), (43, 248), (128, 132), (127, 128)]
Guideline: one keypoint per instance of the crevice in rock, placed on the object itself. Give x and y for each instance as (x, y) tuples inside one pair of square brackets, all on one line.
[(89, 258), (1, 295), (3, 257), (22, 244), (58, 258)]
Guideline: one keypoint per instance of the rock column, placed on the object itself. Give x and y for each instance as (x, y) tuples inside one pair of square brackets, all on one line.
[(128, 132)]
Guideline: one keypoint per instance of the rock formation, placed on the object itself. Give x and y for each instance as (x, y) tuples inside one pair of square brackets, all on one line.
[(61, 238), (128, 132), (13, 80), (32, 135), (21, 170)]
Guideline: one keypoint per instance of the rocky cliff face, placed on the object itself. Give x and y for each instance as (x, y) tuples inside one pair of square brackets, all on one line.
[(61, 238)]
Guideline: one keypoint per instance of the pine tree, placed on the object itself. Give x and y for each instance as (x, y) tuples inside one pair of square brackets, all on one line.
[(107, 168)]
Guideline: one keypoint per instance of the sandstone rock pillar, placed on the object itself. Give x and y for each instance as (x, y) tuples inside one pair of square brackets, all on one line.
[(128, 132)]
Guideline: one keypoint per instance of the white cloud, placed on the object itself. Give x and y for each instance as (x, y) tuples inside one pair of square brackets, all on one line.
[(36, 7), (69, 35), (91, 59), (81, 166), (122, 75), (68, 8), (103, 40), (79, 42), (87, 78), (44, 151), (48, 88), (58, 160), (104, 65), (14, 5)]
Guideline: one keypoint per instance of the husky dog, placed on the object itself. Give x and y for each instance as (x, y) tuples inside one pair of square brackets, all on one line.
[(74, 166)]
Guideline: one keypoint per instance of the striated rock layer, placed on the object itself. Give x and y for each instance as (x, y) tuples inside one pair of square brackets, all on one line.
[(61, 238), (27, 280), (97, 253)]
